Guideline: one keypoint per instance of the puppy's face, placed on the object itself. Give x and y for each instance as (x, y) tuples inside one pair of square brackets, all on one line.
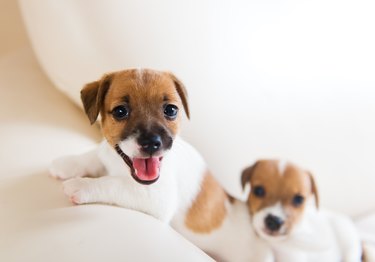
[(140, 114), (278, 196)]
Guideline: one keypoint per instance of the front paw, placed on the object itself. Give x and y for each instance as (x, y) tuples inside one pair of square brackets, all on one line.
[(66, 167), (77, 189)]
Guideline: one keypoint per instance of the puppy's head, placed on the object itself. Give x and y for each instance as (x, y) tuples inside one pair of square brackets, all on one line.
[(278, 196), (140, 115)]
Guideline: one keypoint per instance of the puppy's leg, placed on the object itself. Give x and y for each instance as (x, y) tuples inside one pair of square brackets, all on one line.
[(347, 237), (116, 191), (87, 164)]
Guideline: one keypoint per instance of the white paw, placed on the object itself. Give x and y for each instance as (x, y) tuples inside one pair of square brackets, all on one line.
[(66, 167), (77, 189)]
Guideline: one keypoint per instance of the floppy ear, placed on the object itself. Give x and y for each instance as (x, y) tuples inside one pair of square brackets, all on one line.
[(314, 190), (181, 90), (246, 175), (92, 96)]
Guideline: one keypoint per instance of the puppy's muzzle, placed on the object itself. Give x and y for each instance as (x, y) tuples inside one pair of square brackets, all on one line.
[(273, 223), (145, 160), (150, 143)]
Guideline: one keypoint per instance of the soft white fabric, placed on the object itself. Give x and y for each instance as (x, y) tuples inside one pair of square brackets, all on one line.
[(366, 228), (37, 221), (266, 79), (95, 233), (38, 123)]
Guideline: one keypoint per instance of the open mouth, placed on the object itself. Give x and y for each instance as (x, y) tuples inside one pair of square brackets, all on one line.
[(144, 170), (270, 232), (274, 234)]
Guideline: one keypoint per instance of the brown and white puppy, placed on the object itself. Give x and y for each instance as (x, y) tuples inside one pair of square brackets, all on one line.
[(221, 226), (283, 214), (142, 163)]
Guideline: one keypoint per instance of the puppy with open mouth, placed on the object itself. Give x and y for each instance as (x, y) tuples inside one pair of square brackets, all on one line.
[(281, 206), (143, 164)]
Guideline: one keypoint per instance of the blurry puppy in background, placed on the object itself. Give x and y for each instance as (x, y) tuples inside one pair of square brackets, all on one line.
[(283, 213)]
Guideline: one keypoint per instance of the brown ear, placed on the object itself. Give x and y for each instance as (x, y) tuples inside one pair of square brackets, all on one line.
[(92, 96), (314, 189), (181, 90), (246, 175)]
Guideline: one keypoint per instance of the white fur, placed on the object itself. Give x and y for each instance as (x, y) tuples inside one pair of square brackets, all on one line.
[(139, 73), (320, 236), (282, 165), (259, 217), (234, 240), (181, 173), (130, 146), (168, 199), (77, 166)]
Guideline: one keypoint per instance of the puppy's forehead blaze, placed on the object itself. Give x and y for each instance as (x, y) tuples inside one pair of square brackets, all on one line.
[(148, 88)]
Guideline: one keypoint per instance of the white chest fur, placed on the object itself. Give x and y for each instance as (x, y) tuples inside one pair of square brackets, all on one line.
[(321, 236), (180, 176)]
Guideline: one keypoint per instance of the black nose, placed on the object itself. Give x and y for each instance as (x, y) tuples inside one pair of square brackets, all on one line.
[(273, 223), (150, 143)]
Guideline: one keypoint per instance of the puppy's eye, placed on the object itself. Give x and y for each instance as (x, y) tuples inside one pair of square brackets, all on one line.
[(120, 112), (298, 200), (259, 191), (170, 111)]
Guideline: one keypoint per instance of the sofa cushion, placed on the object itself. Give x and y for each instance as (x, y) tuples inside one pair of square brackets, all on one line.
[(38, 123), (94, 233), (366, 228)]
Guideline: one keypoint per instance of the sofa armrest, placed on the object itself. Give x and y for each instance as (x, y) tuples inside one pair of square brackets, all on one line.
[(97, 233)]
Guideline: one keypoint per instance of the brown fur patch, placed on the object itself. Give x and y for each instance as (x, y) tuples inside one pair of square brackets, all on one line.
[(92, 96), (208, 210)]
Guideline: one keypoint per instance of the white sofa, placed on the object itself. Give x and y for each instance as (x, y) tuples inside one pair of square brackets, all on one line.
[(254, 93), (37, 222)]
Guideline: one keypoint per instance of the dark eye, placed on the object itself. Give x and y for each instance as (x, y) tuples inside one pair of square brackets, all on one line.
[(120, 112), (298, 200), (170, 111), (259, 191)]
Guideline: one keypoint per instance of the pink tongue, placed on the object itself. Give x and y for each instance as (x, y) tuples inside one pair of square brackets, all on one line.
[(147, 169)]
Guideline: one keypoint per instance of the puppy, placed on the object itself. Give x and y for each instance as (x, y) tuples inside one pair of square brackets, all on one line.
[(294, 228), (144, 165)]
